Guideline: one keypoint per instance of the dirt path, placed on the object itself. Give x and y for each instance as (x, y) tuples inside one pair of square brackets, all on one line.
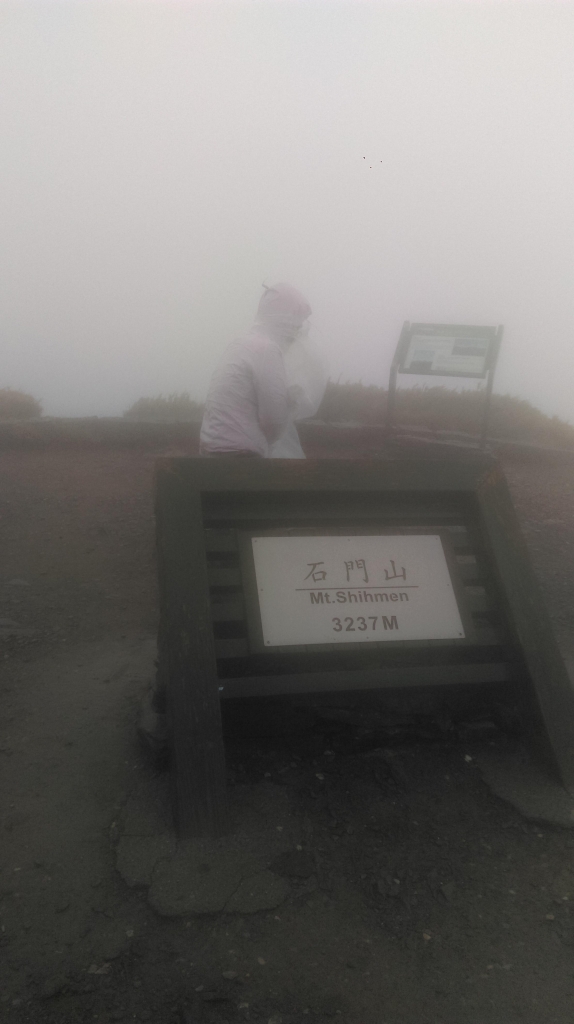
[(417, 897)]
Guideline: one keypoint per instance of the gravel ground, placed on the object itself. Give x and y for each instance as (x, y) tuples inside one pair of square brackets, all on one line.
[(412, 895)]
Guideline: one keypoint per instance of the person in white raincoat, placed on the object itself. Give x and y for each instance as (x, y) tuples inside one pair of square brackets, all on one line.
[(266, 380)]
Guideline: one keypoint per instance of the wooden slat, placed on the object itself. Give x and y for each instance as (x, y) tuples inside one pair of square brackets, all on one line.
[(228, 611), (224, 576), (296, 477), (487, 636), (484, 636), (457, 538), (470, 573), (225, 541), (232, 648), (268, 515), (477, 602), (321, 682), (220, 540)]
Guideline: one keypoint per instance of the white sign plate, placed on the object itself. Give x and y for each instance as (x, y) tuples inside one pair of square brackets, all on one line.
[(450, 355), (340, 590)]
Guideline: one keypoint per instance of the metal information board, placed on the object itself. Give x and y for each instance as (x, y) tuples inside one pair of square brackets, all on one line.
[(359, 589), (446, 350)]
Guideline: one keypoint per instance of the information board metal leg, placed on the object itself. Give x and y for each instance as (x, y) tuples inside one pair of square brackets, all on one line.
[(486, 410), (187, 659), (392, 392), (391, 395), (489, 384)]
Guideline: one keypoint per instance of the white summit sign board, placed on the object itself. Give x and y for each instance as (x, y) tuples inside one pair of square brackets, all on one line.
[(359, 589)]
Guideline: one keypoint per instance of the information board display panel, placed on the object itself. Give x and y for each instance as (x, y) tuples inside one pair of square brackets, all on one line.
[(447, 350), (315, 590)]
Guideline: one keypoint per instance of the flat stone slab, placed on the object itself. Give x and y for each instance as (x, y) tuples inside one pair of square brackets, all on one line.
[(198, 879), (263, 891), (137, 856), (513, 776), (193, 883), (208, 876)]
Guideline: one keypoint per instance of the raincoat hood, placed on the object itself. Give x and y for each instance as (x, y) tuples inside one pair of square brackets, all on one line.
[(282, 310)]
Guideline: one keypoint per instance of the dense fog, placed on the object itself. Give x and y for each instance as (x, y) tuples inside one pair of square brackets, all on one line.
[(393, 161)]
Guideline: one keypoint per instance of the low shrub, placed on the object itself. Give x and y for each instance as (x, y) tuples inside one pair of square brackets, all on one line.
[(433, 408), (17, 405), (440, 408), (166, 409)]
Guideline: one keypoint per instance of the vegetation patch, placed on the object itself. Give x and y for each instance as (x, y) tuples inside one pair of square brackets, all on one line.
[(428, 408), (440, 408), (17, 405), (166, 409)]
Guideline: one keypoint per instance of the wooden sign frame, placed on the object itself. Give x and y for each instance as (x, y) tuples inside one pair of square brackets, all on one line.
[(205, 652)]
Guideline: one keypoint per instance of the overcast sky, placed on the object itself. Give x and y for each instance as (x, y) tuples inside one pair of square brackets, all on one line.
[(393, 161)]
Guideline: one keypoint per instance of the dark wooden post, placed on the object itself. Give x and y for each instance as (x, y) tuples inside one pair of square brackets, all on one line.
[(187, 659), (392, 391), (550, 691)]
